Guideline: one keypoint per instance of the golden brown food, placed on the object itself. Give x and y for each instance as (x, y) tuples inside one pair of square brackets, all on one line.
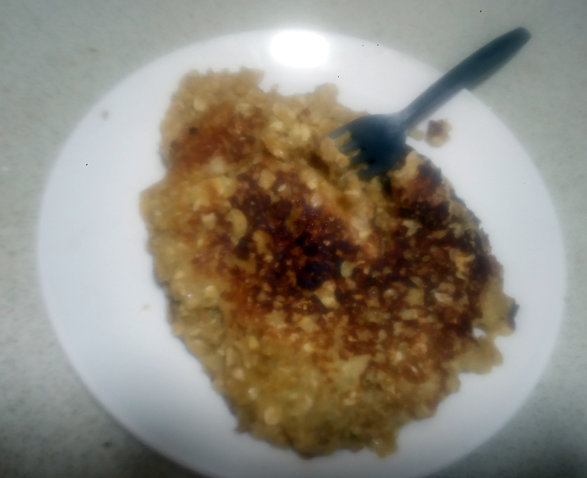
[(328, 311), (438, 132)]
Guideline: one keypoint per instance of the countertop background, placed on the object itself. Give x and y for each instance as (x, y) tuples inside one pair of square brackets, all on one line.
[(58, 57)]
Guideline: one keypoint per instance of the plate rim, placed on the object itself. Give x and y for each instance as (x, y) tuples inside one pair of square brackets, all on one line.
[(128, 79)]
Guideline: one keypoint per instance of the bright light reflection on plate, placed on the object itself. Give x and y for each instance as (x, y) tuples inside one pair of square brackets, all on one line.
[(299, 49)]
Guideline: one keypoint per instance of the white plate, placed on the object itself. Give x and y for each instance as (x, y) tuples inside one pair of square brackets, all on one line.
[(110, 315)]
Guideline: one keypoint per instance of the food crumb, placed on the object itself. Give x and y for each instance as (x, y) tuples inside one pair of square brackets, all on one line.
[(437, 133), (416, 133)]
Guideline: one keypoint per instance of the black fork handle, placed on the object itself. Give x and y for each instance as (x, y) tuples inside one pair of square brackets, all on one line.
[(466, 74)]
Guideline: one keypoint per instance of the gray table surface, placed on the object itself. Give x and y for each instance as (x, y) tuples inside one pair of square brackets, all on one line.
[(58, 57)]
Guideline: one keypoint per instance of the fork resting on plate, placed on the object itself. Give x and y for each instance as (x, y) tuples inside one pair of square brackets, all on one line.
[(379, 141)]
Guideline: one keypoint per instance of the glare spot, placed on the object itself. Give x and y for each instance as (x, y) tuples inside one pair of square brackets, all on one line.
[(299, 48)]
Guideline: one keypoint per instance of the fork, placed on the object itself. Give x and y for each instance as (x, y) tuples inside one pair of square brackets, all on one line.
[(379, 141)]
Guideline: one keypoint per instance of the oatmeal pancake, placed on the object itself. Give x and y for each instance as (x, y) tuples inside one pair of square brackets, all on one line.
[(328, 311)]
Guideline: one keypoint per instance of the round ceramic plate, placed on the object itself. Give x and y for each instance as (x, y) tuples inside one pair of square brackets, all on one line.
[(110, 315)]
